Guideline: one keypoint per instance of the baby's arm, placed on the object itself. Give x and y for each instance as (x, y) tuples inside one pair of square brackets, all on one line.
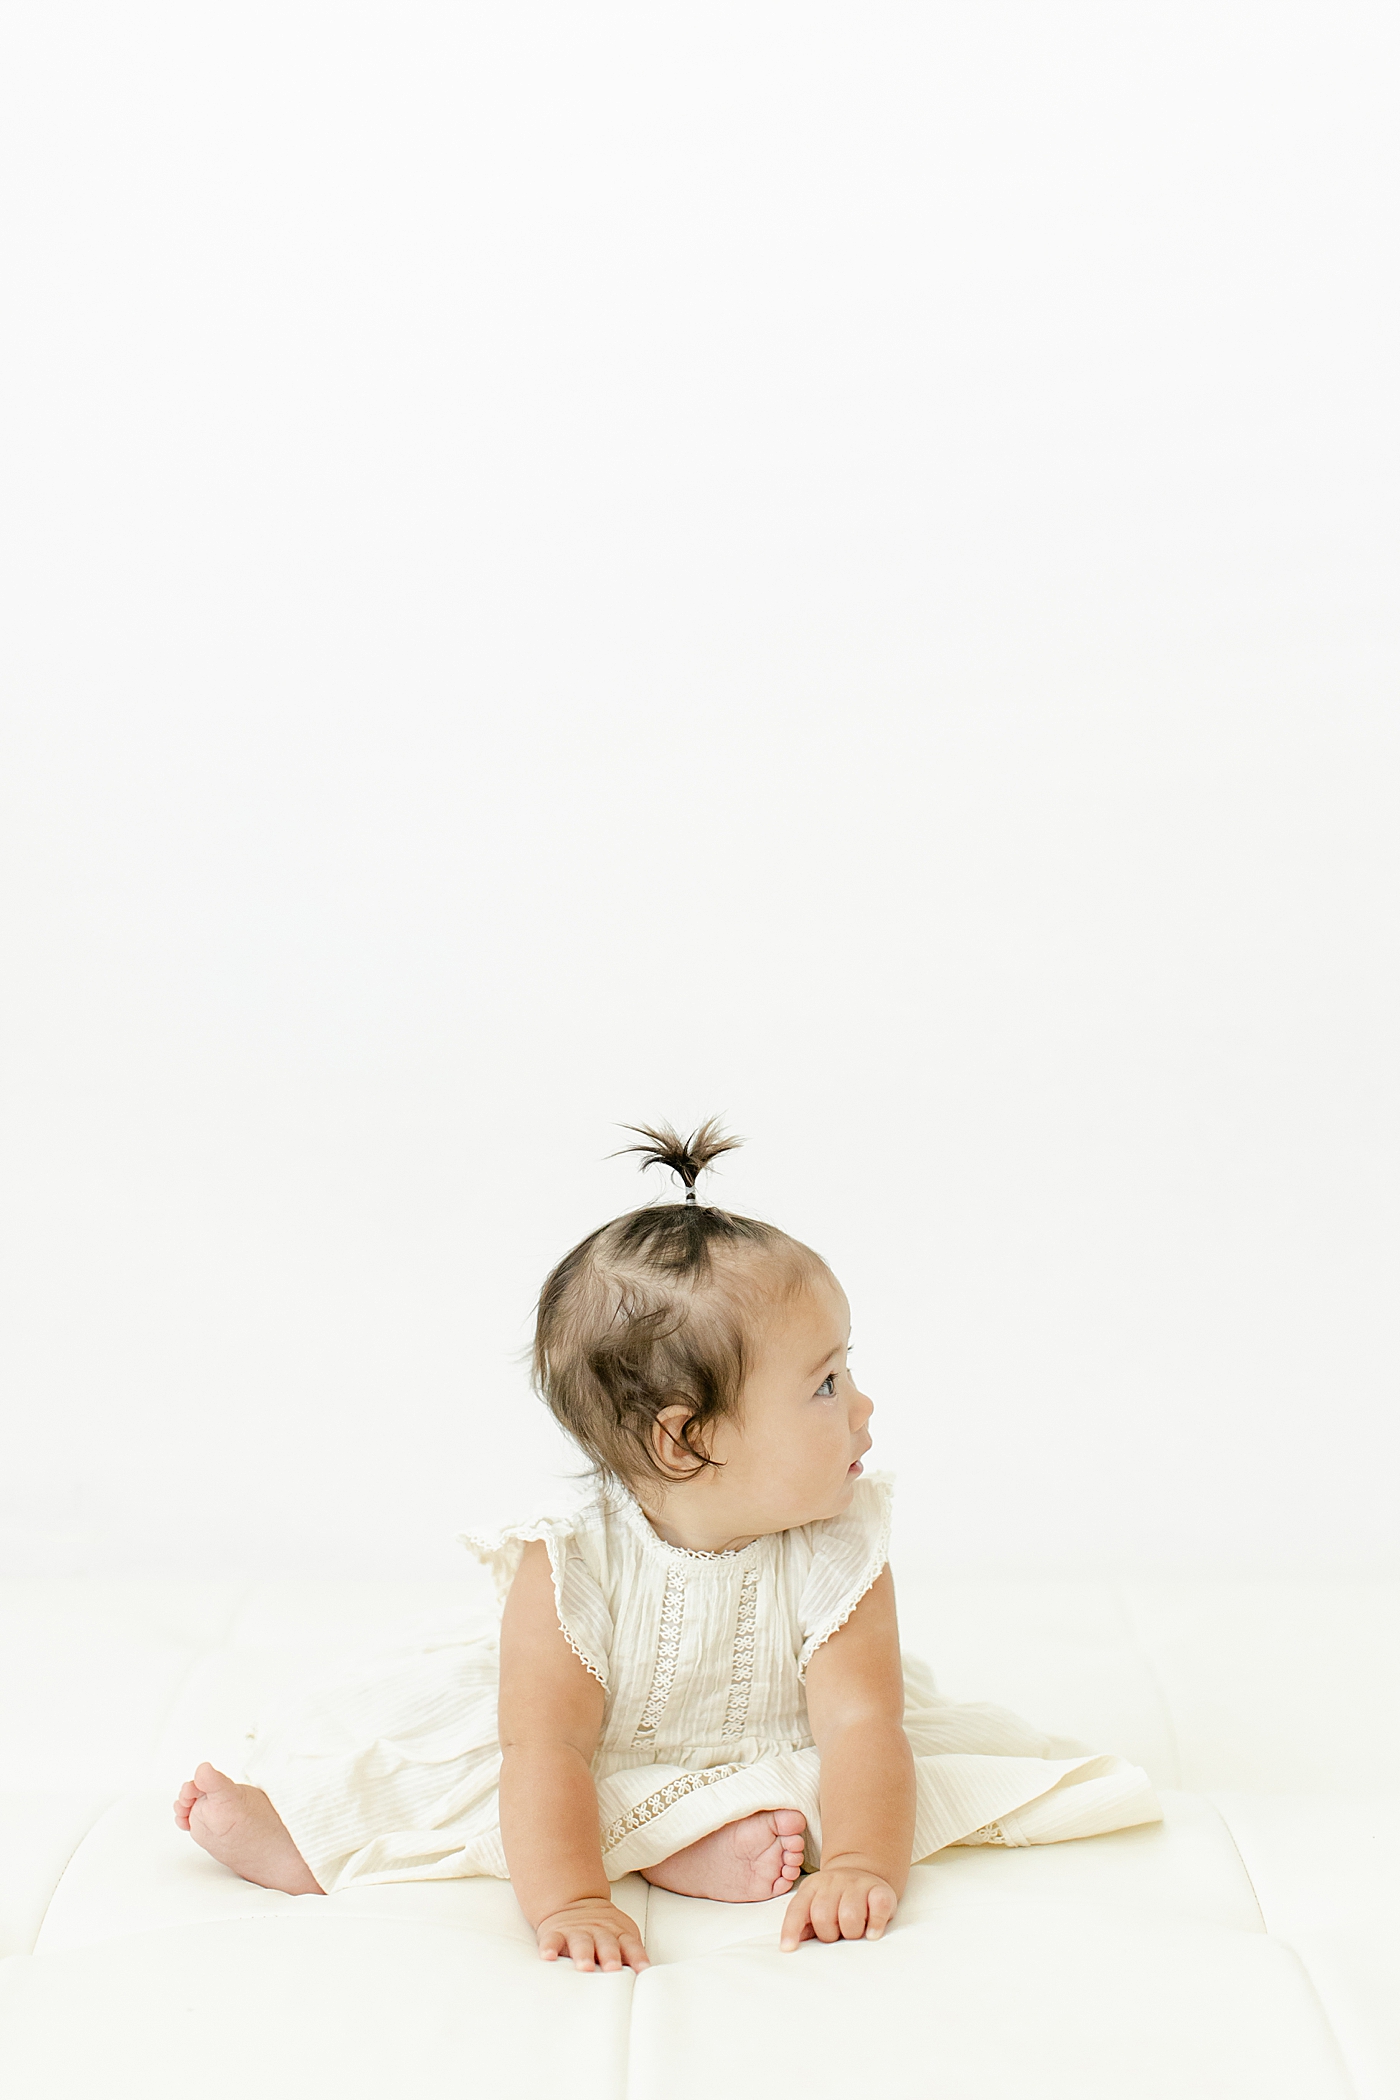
[(855, 1703), (551, 1710)]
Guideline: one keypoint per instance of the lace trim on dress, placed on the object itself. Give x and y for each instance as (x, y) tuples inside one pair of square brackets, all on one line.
[(623, 1499), (874, 1569), (736, 1712), (698, 1553), (586, 1660), (989, 1834), (665, 1797), (668, 1649), (494, 1550)]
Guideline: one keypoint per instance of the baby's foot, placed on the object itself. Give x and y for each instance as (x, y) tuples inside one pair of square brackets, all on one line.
[(243, 1830), (749, 1861)]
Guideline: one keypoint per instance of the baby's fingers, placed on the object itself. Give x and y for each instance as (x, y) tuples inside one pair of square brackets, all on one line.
[(883, 1904), (578, 1943), (635, 1955), (591, 1945), (797, 1923)]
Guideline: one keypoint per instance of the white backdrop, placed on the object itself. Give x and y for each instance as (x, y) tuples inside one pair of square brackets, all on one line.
[(834, 564)]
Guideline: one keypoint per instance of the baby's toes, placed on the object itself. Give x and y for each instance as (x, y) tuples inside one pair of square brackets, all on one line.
[(788, 1870), (212, 1818)]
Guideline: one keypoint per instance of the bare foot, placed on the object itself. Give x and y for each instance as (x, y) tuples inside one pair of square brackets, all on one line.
[(243, 1830), (749, 1861)]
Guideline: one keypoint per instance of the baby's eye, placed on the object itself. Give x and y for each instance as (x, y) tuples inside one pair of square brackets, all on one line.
[(827, 1389)]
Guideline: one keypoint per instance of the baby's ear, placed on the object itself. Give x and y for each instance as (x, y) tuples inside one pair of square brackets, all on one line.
[(676, 1458)]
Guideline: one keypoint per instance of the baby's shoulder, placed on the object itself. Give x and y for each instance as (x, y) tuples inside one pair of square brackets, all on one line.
[(594, 1527)]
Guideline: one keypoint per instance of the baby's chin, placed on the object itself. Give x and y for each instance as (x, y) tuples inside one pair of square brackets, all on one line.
[(839, 1502), (835, 1503)]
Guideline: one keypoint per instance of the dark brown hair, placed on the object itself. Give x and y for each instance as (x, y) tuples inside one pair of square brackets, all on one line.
[(658, 1309)]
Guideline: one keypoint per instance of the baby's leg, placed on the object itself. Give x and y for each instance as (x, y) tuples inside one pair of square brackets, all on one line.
[(750, 1861), (243, 1830)]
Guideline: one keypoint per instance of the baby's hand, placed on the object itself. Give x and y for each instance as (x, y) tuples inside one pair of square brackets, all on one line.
[(594, 1934), (839, 1903)]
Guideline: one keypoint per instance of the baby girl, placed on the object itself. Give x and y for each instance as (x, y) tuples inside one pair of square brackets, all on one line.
[(698, 1675)]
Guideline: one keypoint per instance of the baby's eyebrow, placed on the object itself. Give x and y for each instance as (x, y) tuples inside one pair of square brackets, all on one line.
[(834, 1350)]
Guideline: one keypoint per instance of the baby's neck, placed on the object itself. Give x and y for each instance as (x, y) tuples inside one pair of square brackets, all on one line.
[(680, 1527)]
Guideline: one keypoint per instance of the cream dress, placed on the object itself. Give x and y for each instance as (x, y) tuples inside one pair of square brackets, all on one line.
[(390, 1773)]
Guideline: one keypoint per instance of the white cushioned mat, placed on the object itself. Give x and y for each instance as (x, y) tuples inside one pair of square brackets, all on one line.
[(1244, 1947)]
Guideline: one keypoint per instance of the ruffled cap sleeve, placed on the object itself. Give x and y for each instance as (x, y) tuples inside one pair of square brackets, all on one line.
[(579, 1601), (849, 1554)]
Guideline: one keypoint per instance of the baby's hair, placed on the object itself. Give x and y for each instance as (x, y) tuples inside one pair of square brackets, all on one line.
[(686, 1157), (659, 1309)]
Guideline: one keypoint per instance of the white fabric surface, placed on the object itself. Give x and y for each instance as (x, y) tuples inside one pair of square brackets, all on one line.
[(389, 1772), (1135, 1964), (135, 1872), (1318, 1863), (1356, 1975), (1040, 2001), (310, 2005)]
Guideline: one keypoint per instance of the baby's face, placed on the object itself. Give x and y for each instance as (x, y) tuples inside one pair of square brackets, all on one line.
[(792, 1455)]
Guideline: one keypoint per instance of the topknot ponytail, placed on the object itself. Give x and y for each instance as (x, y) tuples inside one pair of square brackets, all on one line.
[(686, 1157)]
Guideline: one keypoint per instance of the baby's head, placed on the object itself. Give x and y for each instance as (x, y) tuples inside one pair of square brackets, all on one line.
[(700, 1358)]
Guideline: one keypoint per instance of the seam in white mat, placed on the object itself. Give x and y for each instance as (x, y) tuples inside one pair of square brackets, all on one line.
[(1317, 1997), (1244, 1864), (109, 1802), (1322, 2013), (240, 1599), (1125, 1600)]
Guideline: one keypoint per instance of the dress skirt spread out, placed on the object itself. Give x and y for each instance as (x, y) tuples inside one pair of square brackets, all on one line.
[(390, 1773)]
